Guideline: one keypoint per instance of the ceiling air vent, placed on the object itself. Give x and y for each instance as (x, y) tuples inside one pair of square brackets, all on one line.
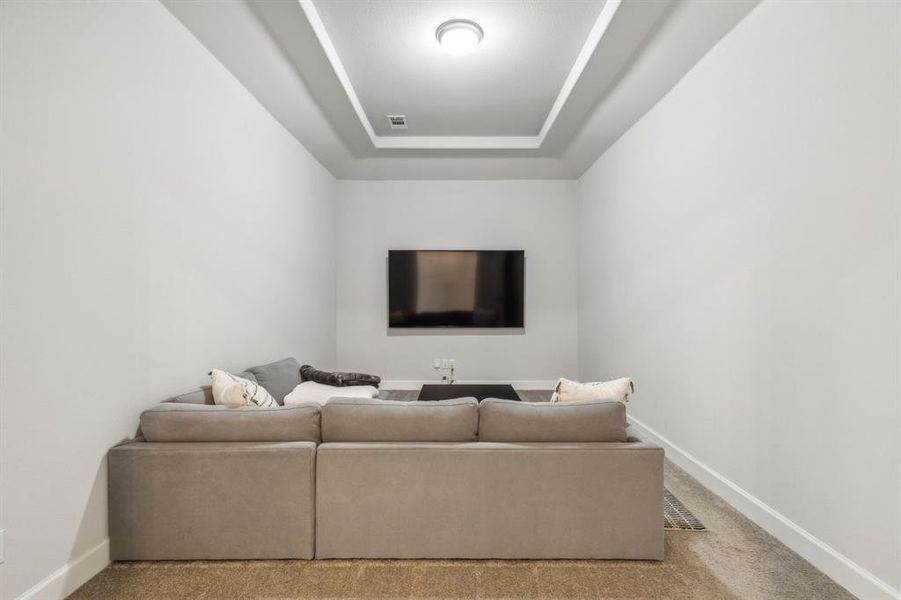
[(397, 121)]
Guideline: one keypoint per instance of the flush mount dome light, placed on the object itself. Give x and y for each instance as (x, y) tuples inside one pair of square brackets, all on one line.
[(459, 36)]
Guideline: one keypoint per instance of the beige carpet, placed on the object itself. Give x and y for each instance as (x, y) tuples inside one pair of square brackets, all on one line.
[(734, 559)]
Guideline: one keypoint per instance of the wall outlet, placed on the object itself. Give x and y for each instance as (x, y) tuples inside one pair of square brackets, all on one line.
[(2, 553)]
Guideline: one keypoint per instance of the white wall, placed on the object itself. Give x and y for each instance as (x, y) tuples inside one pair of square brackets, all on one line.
[(740, 259), (537, 216), (156, 222)]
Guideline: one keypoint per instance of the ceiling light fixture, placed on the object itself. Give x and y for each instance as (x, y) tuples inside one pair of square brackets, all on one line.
[(459, 36)]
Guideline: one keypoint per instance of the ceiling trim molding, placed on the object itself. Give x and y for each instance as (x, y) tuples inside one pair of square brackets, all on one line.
[(591, 43), (605, 17), (326, 42), (447, 142)]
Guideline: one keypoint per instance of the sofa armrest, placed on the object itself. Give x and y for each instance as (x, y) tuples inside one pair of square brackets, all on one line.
[(214, 500)]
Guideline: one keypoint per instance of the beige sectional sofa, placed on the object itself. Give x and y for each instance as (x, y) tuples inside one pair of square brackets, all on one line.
[(379, 479)]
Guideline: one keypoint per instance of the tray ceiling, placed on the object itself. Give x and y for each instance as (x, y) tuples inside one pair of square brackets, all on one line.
[(505, 88), (553, 84)]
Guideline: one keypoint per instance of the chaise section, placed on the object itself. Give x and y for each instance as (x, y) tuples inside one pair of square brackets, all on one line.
[(211, 500), (210, 482), (489, 500)]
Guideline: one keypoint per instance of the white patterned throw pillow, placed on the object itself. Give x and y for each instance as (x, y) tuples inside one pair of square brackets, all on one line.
[(231, 390), (567, 390)]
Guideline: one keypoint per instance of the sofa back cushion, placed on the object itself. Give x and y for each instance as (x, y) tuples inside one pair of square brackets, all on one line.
[(279, 377), (174, 422), (374, 420), (583, 421)]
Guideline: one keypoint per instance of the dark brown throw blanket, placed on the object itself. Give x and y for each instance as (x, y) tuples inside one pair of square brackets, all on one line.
[(308, 373)]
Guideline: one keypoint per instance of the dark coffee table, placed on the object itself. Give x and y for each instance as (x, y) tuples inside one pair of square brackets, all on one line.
[(444, 391)]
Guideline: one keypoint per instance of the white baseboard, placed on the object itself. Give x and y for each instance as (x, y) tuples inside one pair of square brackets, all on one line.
[(71, 575), (410, 384), (821, 555)]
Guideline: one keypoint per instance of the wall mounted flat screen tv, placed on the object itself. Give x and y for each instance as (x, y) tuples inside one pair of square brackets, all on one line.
[(456, 288)]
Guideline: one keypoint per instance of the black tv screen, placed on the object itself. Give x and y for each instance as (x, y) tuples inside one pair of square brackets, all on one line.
[(456, 288)]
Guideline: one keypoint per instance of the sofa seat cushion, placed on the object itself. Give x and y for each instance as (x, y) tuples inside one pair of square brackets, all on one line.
[(279, 377), (374, 420), (172, 422), (584, 421)]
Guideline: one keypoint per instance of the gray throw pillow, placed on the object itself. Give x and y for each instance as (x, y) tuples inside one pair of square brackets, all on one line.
[(279, 377)]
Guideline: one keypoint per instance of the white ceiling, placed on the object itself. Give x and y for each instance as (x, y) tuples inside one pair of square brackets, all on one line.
[(555, 83), (505, 88)]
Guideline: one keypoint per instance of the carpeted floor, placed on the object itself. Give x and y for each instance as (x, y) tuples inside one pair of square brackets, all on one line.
[(733, 559)]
